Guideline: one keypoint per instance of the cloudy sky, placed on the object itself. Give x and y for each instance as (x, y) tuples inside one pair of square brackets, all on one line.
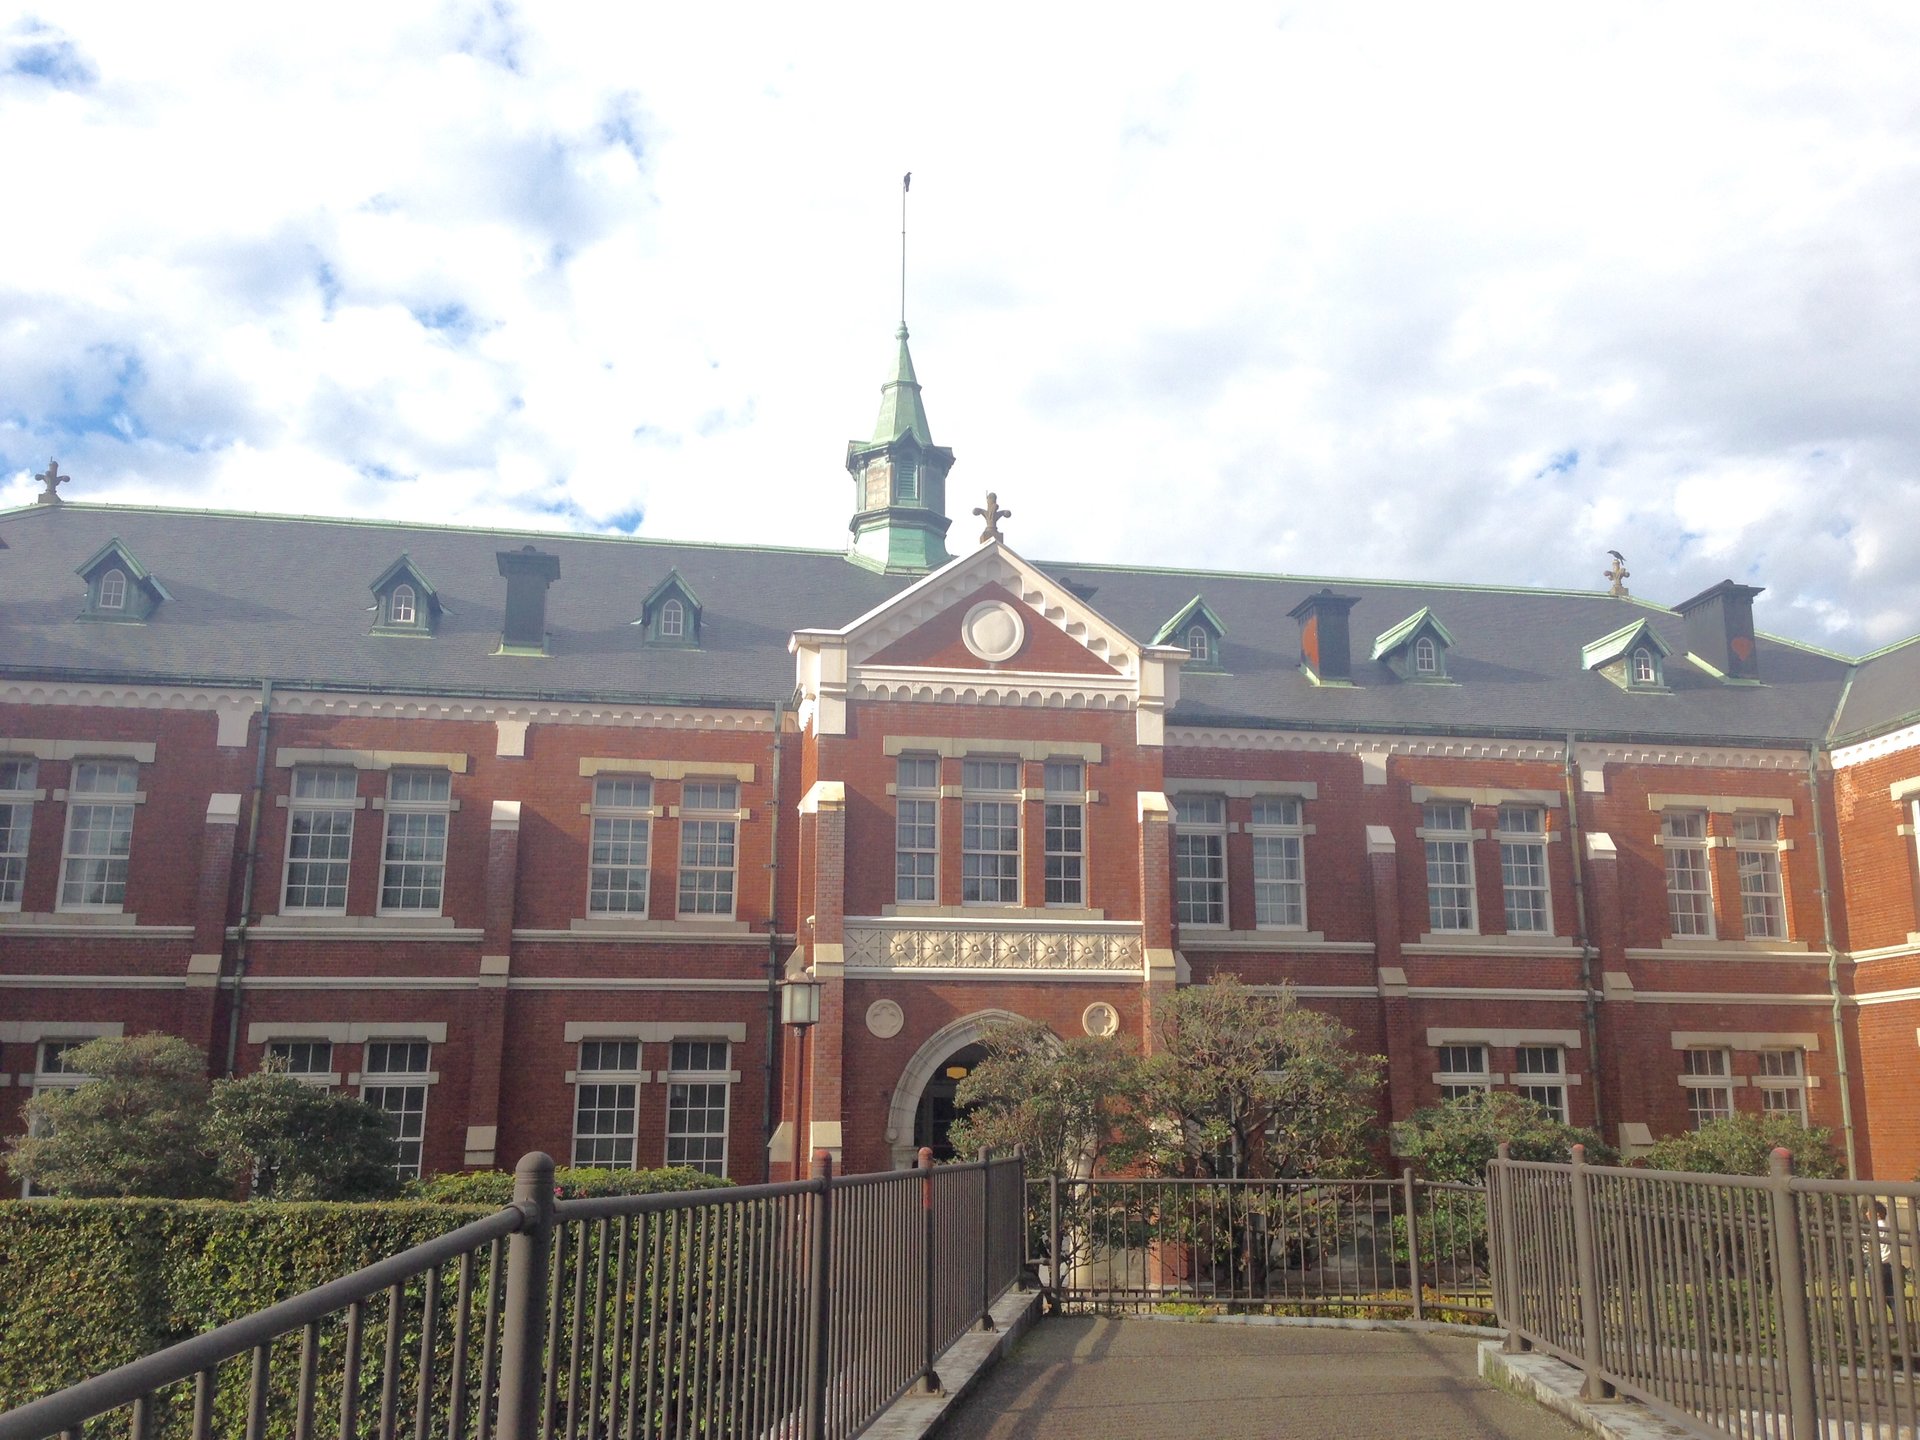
[(1424, 291)]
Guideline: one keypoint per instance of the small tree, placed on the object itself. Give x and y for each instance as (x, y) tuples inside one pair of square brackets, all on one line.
[(1254, 1085), (135, 1128), (286, 1140), (1071, 1102), (1743, 1144), (1457, 1139)]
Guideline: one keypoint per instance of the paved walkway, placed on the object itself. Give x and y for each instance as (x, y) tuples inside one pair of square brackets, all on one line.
[(1109, 1379)]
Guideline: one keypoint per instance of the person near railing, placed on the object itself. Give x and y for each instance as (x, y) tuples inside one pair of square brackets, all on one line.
[(1883, 1238)]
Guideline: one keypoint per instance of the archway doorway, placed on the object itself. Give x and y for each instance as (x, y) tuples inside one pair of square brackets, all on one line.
[(939, 1106), (936, 1054)]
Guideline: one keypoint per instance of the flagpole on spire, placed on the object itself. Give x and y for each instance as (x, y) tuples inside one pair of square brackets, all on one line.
[(906, 184)]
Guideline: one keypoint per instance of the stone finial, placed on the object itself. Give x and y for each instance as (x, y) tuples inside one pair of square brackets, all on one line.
[(53, 480), (1616, 575), (993, 515)]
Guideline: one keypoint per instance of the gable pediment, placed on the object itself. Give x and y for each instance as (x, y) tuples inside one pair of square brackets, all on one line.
[(991, 622)]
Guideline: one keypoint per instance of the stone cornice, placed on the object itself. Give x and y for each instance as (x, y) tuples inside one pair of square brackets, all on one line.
[(1485, 747), (1891, 743)]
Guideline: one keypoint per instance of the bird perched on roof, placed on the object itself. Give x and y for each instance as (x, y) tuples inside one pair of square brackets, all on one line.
[(1617, 575)]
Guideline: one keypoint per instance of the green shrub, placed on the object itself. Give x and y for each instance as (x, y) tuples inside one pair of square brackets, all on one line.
[(1743, 1144), (494, 1188), (1457, 1139)]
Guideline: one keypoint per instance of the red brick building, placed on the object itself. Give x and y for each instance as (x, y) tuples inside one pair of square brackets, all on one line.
[(517, 833)]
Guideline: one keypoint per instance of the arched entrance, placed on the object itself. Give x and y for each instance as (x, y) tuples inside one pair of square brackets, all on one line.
[(939, 1106), (923, 1100)]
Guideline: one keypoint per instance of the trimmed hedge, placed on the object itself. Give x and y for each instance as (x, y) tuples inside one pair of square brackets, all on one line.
[(494, 1188)]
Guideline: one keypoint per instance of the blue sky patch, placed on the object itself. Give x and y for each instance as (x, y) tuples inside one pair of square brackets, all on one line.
[(45, 54)]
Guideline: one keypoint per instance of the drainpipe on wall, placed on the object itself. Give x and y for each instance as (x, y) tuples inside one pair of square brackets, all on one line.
[(768, 1107), (246, 880), (1581, 933), (1833, 960)]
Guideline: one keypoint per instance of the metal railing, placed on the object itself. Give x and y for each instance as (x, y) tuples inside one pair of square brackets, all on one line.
[(1367, 1248), (1753, 1306), (797, 1310)]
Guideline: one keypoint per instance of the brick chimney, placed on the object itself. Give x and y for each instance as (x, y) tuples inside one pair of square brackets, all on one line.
[(529, 572), (1720, 628), (1325, 650)]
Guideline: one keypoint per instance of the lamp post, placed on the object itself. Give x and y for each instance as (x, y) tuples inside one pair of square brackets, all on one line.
[(800, 1008)]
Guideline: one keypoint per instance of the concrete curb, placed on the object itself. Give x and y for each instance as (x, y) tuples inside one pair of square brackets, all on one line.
[(1546, 1381), (1324, 1322), (962, 1369)]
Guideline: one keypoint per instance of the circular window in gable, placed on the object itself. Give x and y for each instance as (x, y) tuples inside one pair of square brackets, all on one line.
[(993, 631)]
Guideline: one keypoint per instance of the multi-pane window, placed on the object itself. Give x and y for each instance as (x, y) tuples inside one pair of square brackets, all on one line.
[(1756, 848), (1426, 656), (1782, 1083), (697, 1105), (17, 789), (1689, 886), (1279, 876), (1643, 670), (1199, 644), (1523, 868), (1200, 859), (1463, 1071), (52, 1072), (113, 590), (709, 830), (1540, 1075), (1707, 1077), (1448, 833), (401, 607), (309, 1060), (93, 872), (1066, 826), (990, 832), (916, 830), (617, 868), (673, 620), (605, 1106), (319, 839), (394, 1079), (414, 865)]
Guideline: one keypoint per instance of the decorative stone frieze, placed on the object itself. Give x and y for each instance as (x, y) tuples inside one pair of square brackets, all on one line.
[(972, 946)]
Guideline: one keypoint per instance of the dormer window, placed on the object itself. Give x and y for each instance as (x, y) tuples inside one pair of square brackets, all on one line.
[(1199, 644), (1416, 649), (670, 614), (1644, 672), (673, 620), (404, 601), (1197, 630), (113, 590), (1632, 657), (1426, 656), (401, 610), (118, 585)]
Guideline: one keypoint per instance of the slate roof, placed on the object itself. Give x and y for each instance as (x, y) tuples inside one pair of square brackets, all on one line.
[(274, 596)]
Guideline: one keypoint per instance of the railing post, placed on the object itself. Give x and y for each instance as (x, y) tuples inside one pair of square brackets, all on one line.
[(1054, 1287), (1587, 1272), (1802, 1422), (524, 1324), (1506, 1290), (929, 1381), (814, 1418), (1413, 1243), (986, 1240), (1020, 1180)]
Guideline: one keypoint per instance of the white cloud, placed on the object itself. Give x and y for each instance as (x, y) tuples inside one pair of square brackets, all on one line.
[(1447, 292)]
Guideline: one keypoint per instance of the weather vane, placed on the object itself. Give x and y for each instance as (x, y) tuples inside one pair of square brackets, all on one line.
[(993, 515), (1617, 574)]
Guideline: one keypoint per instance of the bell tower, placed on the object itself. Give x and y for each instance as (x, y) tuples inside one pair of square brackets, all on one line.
[(900, 520)]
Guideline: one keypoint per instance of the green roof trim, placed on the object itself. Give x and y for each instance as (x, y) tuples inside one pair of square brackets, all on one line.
[(405, 565), (673, 581), (1618, 643), (1403, 633), (1194, 609), (116, 549), (901, 410)]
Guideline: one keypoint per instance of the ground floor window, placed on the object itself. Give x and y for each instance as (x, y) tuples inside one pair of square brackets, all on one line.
[(698, 1084), (1783, 1083), (395, 1080), (1707, 1077), (1540, 1074), (606, 1103), (1463, 1071)]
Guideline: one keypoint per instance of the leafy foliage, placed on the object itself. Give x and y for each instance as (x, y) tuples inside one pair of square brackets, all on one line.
[(494, 1188), (1742, 1145), (1256, 1085), (135, 1129), (1070, 1103), (294, 1141), (1457, 1139)]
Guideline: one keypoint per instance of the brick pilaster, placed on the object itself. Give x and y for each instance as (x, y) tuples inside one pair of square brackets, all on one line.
[(824, 1103), (1404, 1047), (1160, 974), (1621, 1081), (213, 894), (487, 1015)]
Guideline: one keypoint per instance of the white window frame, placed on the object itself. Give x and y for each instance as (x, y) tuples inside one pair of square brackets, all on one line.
[(394, 1091), (673, 620), (1200, 861), (119, 831), (683, 1074), (113, 589), (1450, 867), (916, 829), (1064, 832), (990, 806), (47, 1077), (306, 1059), (1540, 1075), (600, 1077), (1462, 1070), (1645, 672), (620, 823), (1524, 873), (1199, 644), (306, 807), (709, 846), (415, 813), (1763, 894), (1426, 656), (402, 606), (19, 778), (1688, 858), (1279, 834), (1782, 1081), (1706, 1075)]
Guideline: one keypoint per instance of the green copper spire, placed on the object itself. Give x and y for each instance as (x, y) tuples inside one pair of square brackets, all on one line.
[(901, 409)]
